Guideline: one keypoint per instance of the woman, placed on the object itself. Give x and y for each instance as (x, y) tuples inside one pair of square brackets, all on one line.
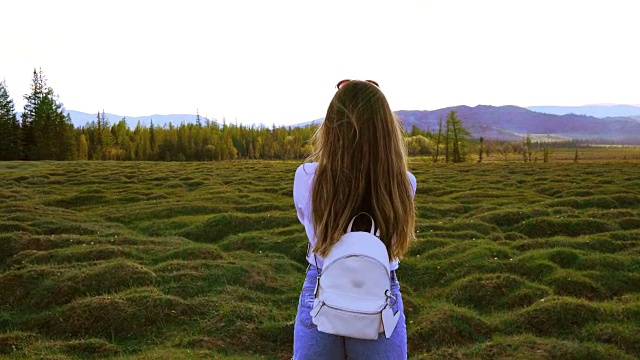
[(360, 165)]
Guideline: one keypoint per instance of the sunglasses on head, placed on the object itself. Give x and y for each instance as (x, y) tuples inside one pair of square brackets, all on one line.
[(345, 81)]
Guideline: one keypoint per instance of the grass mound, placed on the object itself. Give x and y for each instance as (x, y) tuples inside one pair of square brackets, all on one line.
[(106, 278), (443, 266), (461, 226), (42, 287), (440, 211), (15, 341), (474, 196), (511, 217), (629, 223), (21, 289), (600, 202), (192, 252), (531, 348), (244, 325), (566, 258), (531, 269), (573, 283), (616, 283), (597, 244), (495, 292), (166, 210), (548, 227), (139, 313), (293, 247), (471, 250), (623, 336), (456, 235), (16, 242), (556, 316), (14, 226), (92, 198), (58, 227), (630, 236), (421, 246), (610, 214), (194, 278), (608, 262), (447, 326), (220, 226), (89, 348), (80, 254), (627, 200)]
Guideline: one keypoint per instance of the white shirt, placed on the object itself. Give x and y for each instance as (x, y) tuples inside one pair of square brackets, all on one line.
[(302, 185)]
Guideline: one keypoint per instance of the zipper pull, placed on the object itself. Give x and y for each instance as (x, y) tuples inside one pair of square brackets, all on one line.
[(315, 291), (316, 309)]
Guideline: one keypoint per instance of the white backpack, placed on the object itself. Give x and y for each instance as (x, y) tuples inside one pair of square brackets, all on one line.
[(353, 296)]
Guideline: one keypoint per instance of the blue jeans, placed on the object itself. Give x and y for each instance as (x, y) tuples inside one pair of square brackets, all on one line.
[(309, 343)]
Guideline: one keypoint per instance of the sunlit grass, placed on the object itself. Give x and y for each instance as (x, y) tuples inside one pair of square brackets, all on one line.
[(143, 260)]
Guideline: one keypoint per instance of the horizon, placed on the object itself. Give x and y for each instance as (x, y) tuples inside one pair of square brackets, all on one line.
[(278, 62), (146, 119)]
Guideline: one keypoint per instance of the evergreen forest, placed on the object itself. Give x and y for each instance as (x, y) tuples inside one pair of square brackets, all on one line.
[(45, 132)]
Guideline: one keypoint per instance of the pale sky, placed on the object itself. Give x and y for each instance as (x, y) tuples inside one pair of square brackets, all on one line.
[(278, 61)]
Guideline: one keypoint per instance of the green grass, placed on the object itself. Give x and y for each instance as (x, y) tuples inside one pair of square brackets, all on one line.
[(142, 260)]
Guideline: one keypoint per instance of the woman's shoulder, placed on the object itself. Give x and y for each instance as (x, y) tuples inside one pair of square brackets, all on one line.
[(411, 177), (413, 182), (306, 169), (302, 182)]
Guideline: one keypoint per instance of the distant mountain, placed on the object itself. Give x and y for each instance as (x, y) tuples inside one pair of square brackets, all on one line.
[(599, 111), (79, 119), (512, 123), (490, 122)]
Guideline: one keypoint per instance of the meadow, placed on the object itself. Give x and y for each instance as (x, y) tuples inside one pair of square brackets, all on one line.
[(191, 260)]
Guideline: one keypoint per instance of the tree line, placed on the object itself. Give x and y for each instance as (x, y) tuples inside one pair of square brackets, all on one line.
[(45, 132)]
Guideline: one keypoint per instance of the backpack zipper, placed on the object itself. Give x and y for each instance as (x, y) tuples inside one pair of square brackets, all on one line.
[(348, 310), (315, 291), (346, 256)]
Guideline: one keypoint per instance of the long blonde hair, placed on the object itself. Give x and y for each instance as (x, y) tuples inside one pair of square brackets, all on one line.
[(362, 166)]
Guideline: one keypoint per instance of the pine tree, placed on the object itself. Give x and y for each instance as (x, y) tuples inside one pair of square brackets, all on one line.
[(152, 141), (447, 139), (83, 147), (528, 143), (9, 127), (457, 135), (97, 153), (29, 115), (439, 138), (108, 152), (66, 138), (47, 134)]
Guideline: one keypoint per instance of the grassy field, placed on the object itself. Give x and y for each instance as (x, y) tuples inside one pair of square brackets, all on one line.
[(593, 153), (133, 260)]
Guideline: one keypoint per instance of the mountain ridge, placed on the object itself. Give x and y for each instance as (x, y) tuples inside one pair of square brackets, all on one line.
[(512, 123), (596, 110)]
